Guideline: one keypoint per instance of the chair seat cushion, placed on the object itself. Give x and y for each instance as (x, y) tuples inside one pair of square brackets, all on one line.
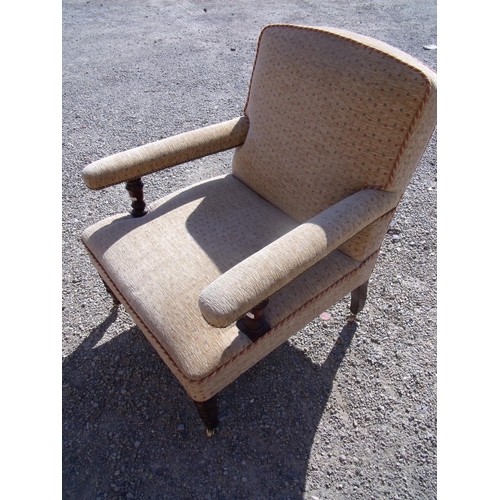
[(160, 263)]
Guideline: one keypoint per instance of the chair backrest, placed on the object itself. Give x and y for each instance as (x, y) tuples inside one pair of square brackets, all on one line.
[(331, 113)]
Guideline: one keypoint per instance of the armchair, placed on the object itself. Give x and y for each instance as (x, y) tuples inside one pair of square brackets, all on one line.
[(221, 273)]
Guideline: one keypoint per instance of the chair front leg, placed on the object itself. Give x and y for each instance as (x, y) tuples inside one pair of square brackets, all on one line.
[(209, 411)]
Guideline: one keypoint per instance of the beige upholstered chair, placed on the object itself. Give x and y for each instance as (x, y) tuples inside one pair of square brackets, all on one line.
[(221, 273)]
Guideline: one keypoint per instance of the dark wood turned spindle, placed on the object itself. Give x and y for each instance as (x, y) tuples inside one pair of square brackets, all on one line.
[(254, 323), (358, 298), (208, 411), (134, 188)]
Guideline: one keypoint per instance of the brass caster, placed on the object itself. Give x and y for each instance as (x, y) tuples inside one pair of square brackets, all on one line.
[(352, 318), (210, 432)]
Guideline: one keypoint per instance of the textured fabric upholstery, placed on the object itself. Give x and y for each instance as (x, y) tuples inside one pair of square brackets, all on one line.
[(369, 239), (263, 273), (291, 308), (215, 225), (332, 113), (128, 165), (335, 124)]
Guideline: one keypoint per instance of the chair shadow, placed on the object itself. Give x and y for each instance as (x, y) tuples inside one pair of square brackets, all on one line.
[(130, 429), (224, 202)]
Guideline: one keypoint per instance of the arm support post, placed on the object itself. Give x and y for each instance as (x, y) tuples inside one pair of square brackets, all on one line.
[(254, 323), (134, 188)]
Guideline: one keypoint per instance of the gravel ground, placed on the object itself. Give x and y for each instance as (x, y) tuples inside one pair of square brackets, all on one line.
[(342, 410)]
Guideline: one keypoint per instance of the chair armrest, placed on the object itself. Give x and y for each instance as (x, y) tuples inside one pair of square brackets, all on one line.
[(134, 163), (256, 278)]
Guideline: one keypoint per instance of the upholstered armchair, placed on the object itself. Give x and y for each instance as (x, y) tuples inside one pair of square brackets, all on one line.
[(221, 273)]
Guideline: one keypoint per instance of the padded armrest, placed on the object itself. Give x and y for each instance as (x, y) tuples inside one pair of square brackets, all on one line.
[(134, 163), (256, 278)]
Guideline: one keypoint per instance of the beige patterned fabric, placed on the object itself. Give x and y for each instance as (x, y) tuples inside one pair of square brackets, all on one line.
[(128, 165), (307, 299), (265, 272), (215, 224), (162, 261), (335, 124), (307, 296), (332, 113), (368, 240)]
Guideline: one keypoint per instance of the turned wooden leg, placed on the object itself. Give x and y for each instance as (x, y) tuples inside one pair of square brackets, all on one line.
[(134, 188), (116, 301), (208, 411), (358, 298), (254, 323)]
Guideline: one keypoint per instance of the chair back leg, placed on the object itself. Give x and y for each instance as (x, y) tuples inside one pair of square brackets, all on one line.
[(358, 298), (116, 300)]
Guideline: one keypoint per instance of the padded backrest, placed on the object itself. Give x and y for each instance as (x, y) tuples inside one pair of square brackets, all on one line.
[(331, 113)]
